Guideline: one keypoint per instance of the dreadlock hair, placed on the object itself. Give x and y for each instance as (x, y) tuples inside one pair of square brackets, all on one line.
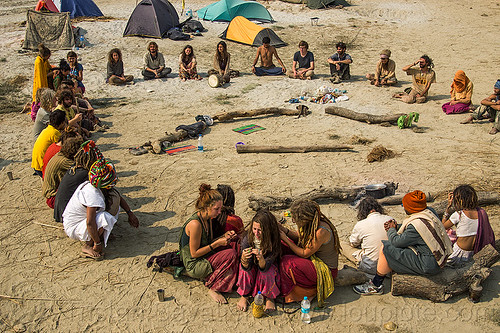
[(227, 194), (207, 198), (270, 241), (71, 146), (367, 205), (67, 133), (86, 156), (62, 94), (428, 60), (307, 216), (465, 197)]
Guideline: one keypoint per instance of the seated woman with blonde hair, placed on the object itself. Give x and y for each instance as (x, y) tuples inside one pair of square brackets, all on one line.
[(315, 247), (199, 249)]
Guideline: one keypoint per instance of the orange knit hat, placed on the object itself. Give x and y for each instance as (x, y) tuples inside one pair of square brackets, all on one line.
[(414, 202)]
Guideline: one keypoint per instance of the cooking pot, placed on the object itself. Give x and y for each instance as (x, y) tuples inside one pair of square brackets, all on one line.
[(376, 191)]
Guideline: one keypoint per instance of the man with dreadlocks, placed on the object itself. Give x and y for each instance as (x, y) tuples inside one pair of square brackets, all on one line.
[(313, 266), (473, 229), (423, 77), (87, 155), (92, 211)]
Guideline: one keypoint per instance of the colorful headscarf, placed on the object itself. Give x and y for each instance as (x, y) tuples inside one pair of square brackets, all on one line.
[(87, 155), (414, 202), (460, 81), (102, 174), (497, 84), (385, 53)]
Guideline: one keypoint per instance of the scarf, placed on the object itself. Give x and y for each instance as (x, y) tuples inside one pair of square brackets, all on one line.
[(460, 82), (485, 234), (102, 174), (432, 232), (325, 284)]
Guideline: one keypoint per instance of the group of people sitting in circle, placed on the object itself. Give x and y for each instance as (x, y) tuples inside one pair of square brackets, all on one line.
[(302, 261)]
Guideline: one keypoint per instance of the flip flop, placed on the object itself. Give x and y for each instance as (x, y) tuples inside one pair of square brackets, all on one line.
[(86, 255), (138, 150)]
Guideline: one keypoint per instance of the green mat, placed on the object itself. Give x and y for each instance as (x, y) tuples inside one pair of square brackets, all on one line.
[(247, 129)]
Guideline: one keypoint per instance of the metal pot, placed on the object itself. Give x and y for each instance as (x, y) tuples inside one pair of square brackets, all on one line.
[(376, 191)]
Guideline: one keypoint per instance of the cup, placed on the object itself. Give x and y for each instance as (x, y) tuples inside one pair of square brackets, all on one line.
[(161, 295), (9, 175)]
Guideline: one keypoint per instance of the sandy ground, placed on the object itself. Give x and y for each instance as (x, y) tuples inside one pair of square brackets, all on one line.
[(60, 291)]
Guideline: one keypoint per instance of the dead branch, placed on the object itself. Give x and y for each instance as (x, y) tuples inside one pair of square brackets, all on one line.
[(229, 116), (363, 117), (241, 149), (337, 194), (451, 281)]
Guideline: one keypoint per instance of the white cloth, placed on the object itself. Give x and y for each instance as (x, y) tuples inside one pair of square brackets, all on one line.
[(459, 256), (465, 226), (368, 234), (75, 214)]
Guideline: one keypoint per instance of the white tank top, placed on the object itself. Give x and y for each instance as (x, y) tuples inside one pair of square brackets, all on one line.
[(465, 226)]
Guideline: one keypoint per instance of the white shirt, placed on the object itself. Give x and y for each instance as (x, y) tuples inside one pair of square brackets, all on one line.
[(465, 226), (369, 233)]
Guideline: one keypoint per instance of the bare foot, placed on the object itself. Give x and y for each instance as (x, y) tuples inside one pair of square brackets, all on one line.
[(242, 304), (217, 297), (468, 120), (270, 305), (89, 252), (493, 131)]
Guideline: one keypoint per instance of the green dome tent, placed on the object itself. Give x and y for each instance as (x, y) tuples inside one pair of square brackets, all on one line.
[(226, 10)]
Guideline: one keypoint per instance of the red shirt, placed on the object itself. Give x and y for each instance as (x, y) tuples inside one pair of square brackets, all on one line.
[(51, 151)]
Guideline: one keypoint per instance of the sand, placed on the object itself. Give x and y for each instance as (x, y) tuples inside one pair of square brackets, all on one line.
[(62, 292)]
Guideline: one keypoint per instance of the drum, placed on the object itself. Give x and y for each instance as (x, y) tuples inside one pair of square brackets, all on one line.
[(215, 80)]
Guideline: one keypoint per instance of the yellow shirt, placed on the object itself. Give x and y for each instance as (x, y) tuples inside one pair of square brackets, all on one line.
[(466, 94), (385, 73), (48, 136), (70, 113), (42, 68), (420, 79)]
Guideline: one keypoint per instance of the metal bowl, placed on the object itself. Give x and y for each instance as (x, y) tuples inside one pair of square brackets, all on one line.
[(376, 191)]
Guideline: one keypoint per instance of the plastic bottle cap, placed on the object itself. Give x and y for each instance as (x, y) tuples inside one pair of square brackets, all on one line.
[(305, 297)]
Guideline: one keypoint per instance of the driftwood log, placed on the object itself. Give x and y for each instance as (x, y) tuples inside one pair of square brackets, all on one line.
[(337, 194), (363, 117), (450, 281), (241, 149), (229, 116), (397, 199)]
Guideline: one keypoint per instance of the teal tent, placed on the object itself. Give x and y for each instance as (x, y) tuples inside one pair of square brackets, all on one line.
[(226, 10)]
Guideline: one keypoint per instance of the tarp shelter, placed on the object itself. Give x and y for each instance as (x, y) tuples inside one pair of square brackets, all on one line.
[(226, 10), (48, 5), (75, 8), (243, 31), (52, 29), (151, 18)]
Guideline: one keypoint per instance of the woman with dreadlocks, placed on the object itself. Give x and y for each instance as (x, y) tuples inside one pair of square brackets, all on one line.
[(92, 211), (227, 220), (473, 229), (312, 268)]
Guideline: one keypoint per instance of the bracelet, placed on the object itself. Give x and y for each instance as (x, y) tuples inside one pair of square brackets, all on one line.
[(100, 243), (210, 246)]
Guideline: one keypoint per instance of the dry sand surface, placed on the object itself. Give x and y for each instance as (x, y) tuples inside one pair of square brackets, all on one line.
[(59, 291)]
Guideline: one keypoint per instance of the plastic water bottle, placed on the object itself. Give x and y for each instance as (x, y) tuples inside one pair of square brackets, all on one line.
[(82, 41), (200, 143), (305, 306), (258, 305)]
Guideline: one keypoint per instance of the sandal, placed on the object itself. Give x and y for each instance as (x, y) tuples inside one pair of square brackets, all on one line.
[(138, 151), (86, 255)]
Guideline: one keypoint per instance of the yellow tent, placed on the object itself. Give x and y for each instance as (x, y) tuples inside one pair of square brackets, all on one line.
[(243, 31)]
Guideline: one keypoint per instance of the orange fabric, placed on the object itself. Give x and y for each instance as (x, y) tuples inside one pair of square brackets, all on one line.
[(460, 81), (48, 4), (414, 202), (297, 294)]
